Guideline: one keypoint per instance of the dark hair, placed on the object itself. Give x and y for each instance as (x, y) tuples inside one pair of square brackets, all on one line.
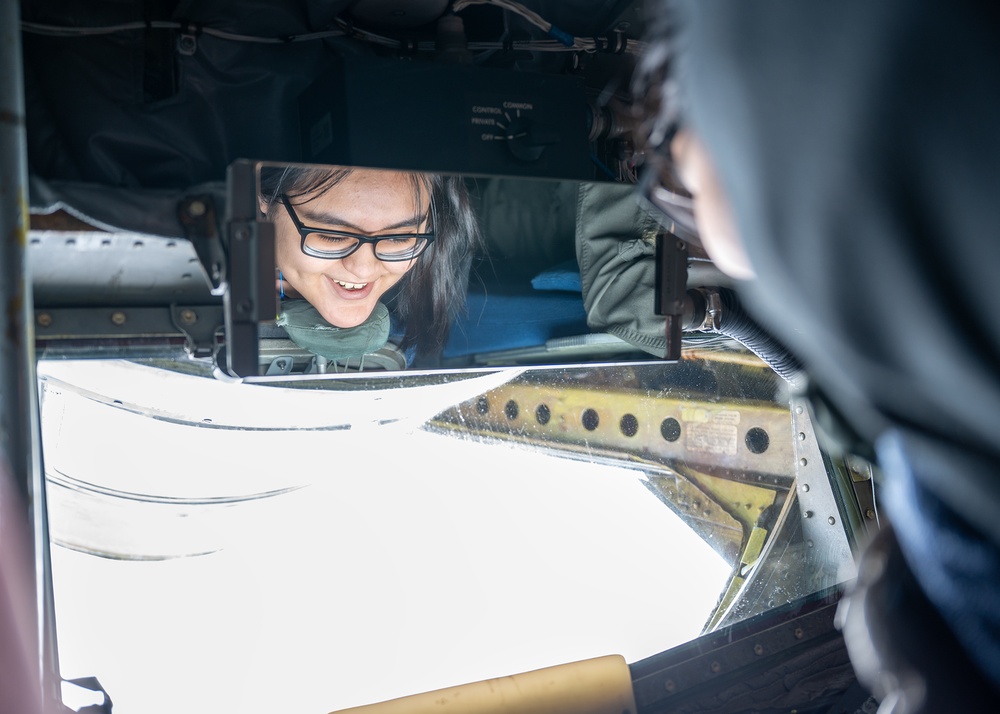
[(657, 114), (657, 107), (432, 293)]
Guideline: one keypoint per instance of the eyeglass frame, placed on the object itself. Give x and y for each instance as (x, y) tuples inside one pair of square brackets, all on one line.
[(362, 239)]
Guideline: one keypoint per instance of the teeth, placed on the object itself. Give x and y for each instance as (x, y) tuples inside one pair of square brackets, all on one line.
[(351, 286)]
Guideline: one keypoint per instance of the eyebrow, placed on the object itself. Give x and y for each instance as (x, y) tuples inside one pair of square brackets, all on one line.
[(332, 219)]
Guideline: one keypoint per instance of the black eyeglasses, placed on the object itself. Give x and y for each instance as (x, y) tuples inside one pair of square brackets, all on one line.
[(334, 245)]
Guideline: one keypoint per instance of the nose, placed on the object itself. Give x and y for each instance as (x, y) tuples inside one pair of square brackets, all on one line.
[(362, 263)]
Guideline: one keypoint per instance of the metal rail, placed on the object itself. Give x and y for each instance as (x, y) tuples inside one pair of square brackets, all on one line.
[(28, 653)]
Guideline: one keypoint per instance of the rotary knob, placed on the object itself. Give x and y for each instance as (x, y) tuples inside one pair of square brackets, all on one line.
[(525, 140)]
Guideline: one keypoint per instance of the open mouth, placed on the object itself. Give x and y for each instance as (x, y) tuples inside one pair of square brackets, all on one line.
[(351, 286), (347, 290)]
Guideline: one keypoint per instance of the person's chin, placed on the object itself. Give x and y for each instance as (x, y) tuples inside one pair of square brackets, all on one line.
[(345, 319), (347, 309)]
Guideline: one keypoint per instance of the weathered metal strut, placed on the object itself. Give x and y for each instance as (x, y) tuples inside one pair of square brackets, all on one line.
[(27, 655)]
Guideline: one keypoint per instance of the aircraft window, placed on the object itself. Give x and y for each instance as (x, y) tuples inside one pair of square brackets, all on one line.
[(315, 545)]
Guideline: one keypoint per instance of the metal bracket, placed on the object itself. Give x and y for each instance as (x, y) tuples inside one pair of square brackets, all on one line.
[(671, 289), (863, 484), (250, 297), (709, 309), (89, 331), (199, 325), (94, 686), (197, 215)]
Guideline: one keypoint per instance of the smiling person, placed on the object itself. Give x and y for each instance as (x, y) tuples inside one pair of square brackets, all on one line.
[(370, 251)]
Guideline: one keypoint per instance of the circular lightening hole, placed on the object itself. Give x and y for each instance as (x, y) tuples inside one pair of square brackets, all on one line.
[(670, 429), (757, 440)]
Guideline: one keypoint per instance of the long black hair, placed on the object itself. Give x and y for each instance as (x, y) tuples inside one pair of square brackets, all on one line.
[(432, 293)]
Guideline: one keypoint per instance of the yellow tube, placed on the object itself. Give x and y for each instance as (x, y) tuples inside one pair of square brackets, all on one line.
[(594, 686)]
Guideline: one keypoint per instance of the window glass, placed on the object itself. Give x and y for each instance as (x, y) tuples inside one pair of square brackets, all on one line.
[(319, 545)]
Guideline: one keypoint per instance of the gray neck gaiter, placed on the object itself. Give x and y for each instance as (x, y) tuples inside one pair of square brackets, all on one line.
[(307, 328)]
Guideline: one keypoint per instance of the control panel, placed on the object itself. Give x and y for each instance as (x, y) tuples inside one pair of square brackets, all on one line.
[(434, 116)]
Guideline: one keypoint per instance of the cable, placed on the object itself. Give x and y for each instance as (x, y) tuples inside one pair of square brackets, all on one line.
[(530, 15), (57, 31), (563, 39), (345, 30)]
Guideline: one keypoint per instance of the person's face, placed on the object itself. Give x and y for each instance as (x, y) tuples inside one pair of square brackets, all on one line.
[(712, 212), (373, 203)]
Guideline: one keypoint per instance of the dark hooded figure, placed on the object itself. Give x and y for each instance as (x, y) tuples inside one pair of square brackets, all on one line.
[(846, 157)]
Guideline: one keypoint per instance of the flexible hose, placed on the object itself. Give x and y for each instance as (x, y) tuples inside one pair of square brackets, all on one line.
[(735, 323)]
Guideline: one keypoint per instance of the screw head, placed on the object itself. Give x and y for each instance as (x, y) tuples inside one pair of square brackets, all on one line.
[(187, 45), (870, 513), (118, 318), (44, 319), (799, 633), (670, 685), (197, 208), (189, 317), (758, 650)]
